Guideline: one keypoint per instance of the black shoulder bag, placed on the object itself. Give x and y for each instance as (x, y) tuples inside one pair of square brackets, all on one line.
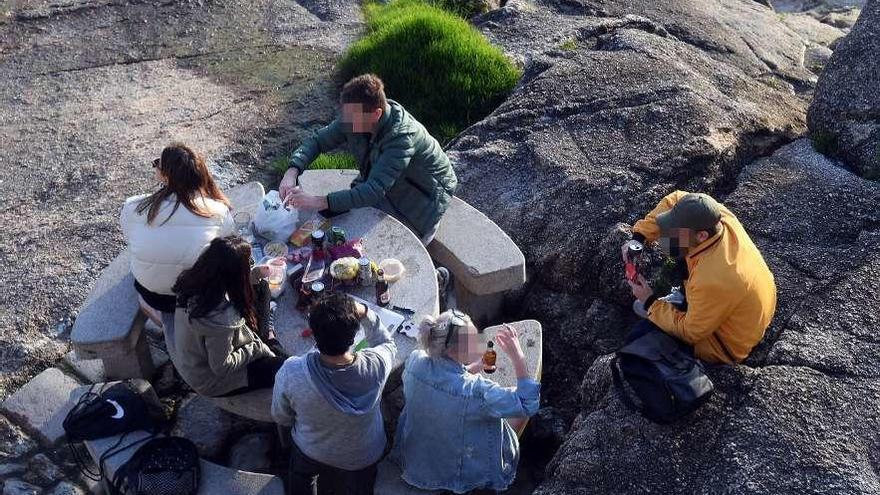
[(669, 382)]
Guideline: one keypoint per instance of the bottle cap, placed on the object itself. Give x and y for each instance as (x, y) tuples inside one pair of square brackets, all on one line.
[(490, 345)]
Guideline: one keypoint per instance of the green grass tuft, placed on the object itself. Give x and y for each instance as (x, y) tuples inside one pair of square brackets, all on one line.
[(334, 161), (324, 161), (438, 66), (569, 45)]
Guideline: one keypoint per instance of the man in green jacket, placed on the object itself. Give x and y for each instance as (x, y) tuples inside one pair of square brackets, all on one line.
[(403, 169)]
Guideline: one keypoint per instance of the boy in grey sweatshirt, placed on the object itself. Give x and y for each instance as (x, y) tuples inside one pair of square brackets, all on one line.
[(331, 398)]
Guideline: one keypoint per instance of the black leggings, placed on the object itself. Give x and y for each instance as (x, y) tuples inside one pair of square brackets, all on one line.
[(306, 474)]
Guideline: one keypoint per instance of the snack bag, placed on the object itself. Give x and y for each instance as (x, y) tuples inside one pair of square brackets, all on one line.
[(273, 220), (302, 236)]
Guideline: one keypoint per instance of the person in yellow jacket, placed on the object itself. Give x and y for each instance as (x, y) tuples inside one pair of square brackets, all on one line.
[(729, 292)]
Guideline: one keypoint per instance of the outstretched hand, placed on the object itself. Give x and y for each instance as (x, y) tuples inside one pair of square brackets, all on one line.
[(508, 341)]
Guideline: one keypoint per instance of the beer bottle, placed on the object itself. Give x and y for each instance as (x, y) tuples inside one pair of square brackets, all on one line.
[(383, 294), (489, 358)]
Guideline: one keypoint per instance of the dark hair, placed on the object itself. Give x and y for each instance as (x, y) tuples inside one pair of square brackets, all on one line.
[(334, 323), (188, 178), (224, 268), (366, 89)]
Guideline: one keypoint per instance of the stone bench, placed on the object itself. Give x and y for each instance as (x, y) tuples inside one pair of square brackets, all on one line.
[(214, 479), (256, 405), (485, 263), (110, 325)]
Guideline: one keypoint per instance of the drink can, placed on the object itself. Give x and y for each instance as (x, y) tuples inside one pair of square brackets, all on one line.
[(633, 252), (317, 290), (337, 236), (365, 272), (318, 239)]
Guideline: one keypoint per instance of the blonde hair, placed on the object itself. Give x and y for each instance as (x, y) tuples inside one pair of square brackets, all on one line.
[(434, 335)]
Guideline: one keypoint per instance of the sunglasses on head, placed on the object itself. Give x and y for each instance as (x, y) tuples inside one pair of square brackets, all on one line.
[(457, 319), (157, 162)]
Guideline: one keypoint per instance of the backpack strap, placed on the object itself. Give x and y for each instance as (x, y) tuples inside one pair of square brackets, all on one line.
[(617, 378)]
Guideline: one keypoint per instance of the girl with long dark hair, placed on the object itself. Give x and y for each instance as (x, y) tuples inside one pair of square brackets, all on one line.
[(218, 343), (167, 230)]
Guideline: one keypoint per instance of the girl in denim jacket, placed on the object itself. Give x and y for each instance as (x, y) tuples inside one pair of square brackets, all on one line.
[(457, 431)]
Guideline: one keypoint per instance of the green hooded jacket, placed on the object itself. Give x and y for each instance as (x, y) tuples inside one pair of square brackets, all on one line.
[(403, 169)]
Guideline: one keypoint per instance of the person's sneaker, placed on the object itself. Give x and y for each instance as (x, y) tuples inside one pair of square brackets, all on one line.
[(674, 297)]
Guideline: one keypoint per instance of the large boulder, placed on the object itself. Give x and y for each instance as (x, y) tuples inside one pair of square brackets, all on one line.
[(844, 117), (801, 416), (615, 111)]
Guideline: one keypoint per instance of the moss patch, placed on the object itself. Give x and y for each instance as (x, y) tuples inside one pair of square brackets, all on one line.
[(438, 66)]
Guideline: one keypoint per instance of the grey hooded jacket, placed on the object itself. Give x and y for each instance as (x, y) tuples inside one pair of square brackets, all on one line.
[(335, 410)]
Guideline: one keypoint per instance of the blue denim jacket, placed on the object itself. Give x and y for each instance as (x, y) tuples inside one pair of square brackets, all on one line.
[(451, 434)]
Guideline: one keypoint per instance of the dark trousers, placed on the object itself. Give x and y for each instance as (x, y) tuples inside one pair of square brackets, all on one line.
[(645, 327), (306, 475)]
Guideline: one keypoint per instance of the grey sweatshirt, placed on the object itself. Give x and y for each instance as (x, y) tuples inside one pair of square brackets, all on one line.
[(335, 410)]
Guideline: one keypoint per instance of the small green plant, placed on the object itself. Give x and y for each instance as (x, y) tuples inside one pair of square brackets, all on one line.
[(824, 143), (444, 71), (569, 45), (333, 161), (324, 161), (279, 165)]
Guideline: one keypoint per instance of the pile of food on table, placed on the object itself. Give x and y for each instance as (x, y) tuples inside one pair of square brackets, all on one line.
[(319, 257)]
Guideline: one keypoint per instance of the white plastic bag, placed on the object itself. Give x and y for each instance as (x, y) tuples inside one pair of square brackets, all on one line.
[(273, 220)]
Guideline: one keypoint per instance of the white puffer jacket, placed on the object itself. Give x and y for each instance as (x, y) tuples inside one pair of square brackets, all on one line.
[(160, 252)]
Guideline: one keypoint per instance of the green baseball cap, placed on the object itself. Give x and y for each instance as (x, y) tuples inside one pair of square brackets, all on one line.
[(695, 211)]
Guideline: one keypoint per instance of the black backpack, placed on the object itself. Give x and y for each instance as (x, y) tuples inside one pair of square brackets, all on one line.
[(161, 466), (117, 410), (669, 382), (107, 412)]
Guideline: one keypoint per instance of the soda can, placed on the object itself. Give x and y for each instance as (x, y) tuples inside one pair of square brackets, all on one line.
[(317, 290), (318, 239), (337, 236), (365, 272), (633, 251)]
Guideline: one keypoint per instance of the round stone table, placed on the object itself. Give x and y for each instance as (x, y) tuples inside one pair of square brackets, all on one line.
[(383, 237)]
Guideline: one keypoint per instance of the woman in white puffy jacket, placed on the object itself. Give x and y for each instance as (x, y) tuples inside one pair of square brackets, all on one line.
[(167, 230)]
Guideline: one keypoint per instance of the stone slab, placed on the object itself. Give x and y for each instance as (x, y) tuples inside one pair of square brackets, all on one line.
[(324, 182), (479, 254), (92, 370), (43, 402), (532, 342), (384, 237), (473, 247), (105, 318), (215, 479), (256, 405)]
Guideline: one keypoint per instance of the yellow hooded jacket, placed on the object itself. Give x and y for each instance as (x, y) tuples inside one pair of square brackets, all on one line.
[(731, 294)]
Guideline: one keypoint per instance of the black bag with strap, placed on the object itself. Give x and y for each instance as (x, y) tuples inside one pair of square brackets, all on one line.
[(669, 381), (161, 466), (115, 410), (107, 412)]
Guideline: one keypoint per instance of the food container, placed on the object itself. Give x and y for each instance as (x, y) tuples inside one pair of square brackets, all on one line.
[(275, 249)]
